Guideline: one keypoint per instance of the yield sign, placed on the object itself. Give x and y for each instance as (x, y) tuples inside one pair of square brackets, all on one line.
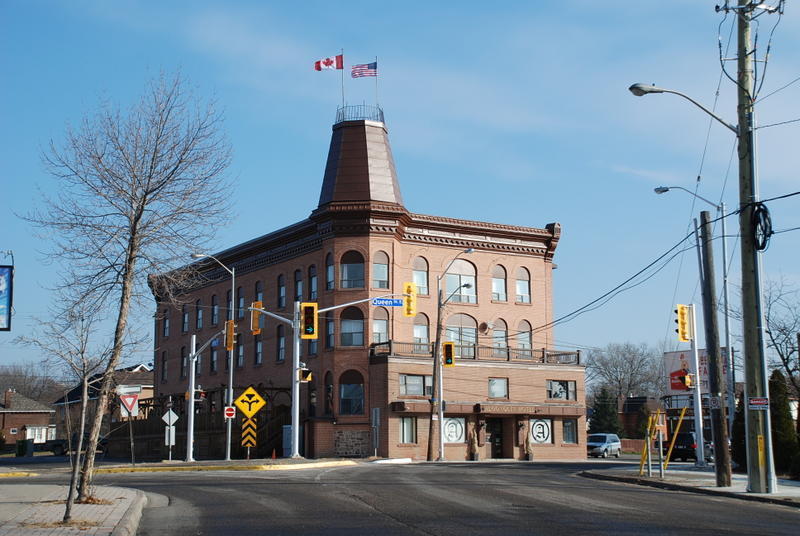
[(170, 417), (250, 402), (131, 403)]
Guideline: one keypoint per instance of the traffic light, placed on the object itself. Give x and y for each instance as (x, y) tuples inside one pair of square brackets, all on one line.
[(255, 317), (308, 320), (684, 330), (305, 375), (449, 354), (409, 299), (230, 336)]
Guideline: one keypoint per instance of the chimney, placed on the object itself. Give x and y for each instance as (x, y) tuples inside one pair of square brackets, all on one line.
[(9, 397)]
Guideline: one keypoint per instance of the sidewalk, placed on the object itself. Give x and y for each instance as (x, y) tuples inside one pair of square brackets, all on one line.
[(700, 480)]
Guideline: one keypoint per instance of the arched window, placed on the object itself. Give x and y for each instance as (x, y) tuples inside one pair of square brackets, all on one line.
[(351, 393), (380, 325), (352, 327), (184, 318), (328, 393), (239, 303), (281, 291), (298, 285), (214, 310), (330, 333), (184, 361), (380, 270), (524, 339), (280, 344), (312, 283), (500, 338), (330, 275), (420, 275), (198, 314), (352, 270), (463, 330), (422, 341), (460, 282), (499, 284), (523, 286)]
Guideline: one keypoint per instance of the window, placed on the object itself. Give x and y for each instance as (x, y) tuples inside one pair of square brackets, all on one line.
[(408, 429), (454, 430), (198, 364), (165, 324), (420, 275), (380, 270), (214, 310), (239, 303), (184, 318), (198, 315), (312, 283), (259, 292), (561, 390), (163, 366), (499, 283), (421, 338), (330, 333), (380, 325), (570, 431), (351, 393), (239, 351), (229, 302), (460, 282), (500, 338), (312, 346), (352, 270), (524, 339), (330, 275), (280, 345), (298, 285), (214, 359), (258, 350), (184, 361), (352, 327), (462, 330), (523, 286), (281, 291), (498, 387), (416, 385)]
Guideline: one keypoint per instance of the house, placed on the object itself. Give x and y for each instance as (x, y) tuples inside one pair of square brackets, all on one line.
[(372, 368), (23, 418)]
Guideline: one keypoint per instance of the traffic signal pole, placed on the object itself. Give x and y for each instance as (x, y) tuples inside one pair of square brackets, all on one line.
[(698, 405)]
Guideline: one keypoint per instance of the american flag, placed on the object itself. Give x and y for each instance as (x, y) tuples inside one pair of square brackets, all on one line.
[(365, 69)]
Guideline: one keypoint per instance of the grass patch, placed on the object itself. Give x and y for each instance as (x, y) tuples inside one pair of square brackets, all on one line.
[(81, 524)]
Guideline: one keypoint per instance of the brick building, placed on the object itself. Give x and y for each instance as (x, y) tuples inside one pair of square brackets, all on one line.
[(23, 418), (362, 242)]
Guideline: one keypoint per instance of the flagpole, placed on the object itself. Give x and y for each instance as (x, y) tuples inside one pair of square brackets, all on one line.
[(376, 82), (342, 78)]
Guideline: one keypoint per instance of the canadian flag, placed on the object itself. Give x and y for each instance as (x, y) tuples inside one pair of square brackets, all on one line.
[(336, 62)]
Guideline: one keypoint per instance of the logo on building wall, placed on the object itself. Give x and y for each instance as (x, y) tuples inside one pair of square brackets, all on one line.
[(542, 430)]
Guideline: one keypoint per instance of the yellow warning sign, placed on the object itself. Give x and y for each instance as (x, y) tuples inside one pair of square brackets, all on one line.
[(248, 433), (250, 402)]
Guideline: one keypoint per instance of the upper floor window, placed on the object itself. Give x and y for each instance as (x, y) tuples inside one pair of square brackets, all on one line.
[(351, 393), (330, 272), (463, 330), (165, 324), (214, 361), (280, 344), (499, 283), (352, 327), (239, 303), (198, 364), (239, 351), (259, 292), (214, 310), (312, 283), (498, 387), (185, 318), (298, 285), (380, 325), (258, 350), (281, 291), (352, 270), (198, 314), (523, 286), (561, 390), (163, 366), (229, 302), (420, 275), (380, 270), (421, 336), (416, 385), (500, 338), (184, 361), (460, 282), (524, 335)]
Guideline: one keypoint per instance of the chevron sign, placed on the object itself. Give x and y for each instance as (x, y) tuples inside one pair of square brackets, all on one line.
[(248, 432)]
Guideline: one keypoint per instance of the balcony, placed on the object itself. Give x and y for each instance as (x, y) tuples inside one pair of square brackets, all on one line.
[(476, 352), (359, 112)]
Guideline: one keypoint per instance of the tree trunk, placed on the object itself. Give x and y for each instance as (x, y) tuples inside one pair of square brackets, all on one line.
[(73, 480)]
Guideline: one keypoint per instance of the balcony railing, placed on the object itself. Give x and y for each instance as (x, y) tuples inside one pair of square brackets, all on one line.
[(359, 112), (479, 353)]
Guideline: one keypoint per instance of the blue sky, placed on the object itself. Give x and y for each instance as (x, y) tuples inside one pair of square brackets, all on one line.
[(516, 114)]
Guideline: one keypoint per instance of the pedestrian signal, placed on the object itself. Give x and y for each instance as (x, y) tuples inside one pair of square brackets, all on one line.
[(308, 320)]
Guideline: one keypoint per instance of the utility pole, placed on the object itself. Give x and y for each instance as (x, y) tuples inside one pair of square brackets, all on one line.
[(760, 466), (722, 459), (699, 450)]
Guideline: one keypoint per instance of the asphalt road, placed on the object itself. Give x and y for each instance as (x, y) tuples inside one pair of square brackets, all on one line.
[(441, 499)]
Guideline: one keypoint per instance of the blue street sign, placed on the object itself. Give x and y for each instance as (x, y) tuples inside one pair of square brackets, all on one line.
[(214, 342), (388, 302)]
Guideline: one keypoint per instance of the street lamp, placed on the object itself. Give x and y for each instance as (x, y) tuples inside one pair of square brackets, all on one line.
[(231, 271), (437, 357), (728, 350)]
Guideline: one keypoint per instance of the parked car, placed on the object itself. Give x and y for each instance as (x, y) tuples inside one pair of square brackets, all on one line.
[(685, 448), (603, 445)]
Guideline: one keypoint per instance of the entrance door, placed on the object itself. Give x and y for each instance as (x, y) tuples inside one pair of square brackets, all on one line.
[(494, 436)]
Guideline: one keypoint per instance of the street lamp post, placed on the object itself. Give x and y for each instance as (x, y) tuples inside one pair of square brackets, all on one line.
[(728, 350), (231, 271), (437, 360)]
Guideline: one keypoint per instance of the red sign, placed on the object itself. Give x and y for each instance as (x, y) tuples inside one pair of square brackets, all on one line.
[(130, 402), (230, 412), (758, 403)]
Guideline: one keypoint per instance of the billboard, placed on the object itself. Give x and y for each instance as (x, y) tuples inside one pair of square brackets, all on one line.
[(678, 364), (6, 293)]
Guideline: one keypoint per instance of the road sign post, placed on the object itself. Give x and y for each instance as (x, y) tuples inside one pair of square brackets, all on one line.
[(170, 417), (229, 412)]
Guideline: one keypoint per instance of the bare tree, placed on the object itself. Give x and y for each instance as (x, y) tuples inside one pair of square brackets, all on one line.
[(137, 192), (782, 316), (626, 369), (32, 380), (68, 340)]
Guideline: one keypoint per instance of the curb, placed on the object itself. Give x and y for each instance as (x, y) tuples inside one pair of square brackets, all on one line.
[(14, 474), (273, 467), (129, 523), (692, 489)]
